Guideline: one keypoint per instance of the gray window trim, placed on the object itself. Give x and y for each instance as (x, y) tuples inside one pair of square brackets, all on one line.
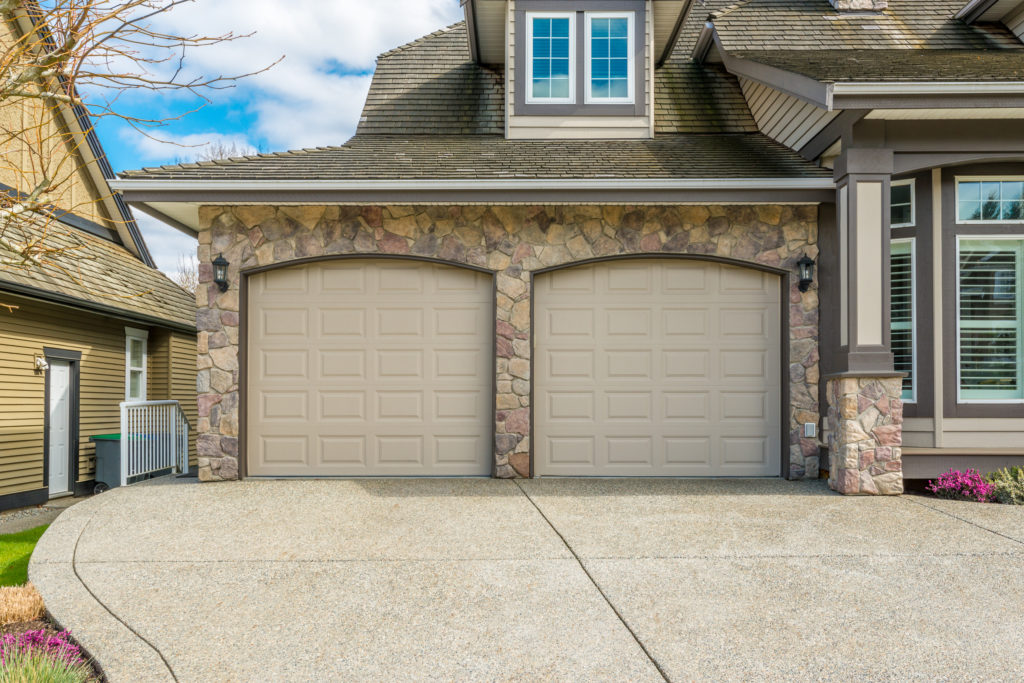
[(579, 108)]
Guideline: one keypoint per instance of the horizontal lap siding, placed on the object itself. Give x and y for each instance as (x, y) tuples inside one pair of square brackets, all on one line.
[(182, 383), (23, 334)]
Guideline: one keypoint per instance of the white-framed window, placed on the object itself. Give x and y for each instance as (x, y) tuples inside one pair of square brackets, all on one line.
[(990, 319), (901, 203), (903, 314), (135, 359), (550, 57), (990, 200), (609, 58)]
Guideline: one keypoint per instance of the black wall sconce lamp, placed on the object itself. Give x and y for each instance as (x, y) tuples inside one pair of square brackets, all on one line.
[(806, 266), (220, 272)]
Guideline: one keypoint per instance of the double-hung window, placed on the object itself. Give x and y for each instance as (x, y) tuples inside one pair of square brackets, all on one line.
[(990, 319), (902, 314), (609, 62), (901, 204), (550, 59), (135, 364)]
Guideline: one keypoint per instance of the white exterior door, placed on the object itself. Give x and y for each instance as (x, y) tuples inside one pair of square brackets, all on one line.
[(60, 427), (657, 368), (370, 367)]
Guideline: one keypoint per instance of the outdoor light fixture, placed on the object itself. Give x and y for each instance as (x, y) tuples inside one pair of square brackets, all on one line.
[(806, 265), (220, 272)]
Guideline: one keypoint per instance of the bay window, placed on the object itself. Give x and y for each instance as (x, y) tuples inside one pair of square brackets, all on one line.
[(989, 319)]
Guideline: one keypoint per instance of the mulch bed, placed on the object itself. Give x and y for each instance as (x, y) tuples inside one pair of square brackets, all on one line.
[(51, 630)]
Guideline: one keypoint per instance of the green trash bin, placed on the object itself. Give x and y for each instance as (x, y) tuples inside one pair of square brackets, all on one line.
[(108, 461)]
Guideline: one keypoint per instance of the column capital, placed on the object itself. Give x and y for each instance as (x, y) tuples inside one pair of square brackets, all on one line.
[(864, 161)]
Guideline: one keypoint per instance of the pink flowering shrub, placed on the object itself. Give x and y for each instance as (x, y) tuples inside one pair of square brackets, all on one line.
[(957, 485), (38, 656)]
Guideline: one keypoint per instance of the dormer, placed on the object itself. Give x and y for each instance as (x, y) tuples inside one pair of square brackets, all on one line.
[(576, 68), (1010, 13)]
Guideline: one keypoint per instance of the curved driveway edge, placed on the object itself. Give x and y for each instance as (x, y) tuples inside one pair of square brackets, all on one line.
[(120, 653)]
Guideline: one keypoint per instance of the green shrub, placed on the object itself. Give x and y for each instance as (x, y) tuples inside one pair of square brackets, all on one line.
[(1009, 485)]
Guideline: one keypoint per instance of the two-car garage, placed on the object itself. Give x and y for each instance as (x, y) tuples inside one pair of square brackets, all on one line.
[(385, 367)]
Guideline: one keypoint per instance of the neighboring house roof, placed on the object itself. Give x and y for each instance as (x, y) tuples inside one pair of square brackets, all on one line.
[(97, 274), (493, 157), (895, 65), (815, 25)]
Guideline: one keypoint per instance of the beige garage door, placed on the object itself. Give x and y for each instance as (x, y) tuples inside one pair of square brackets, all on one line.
[(657, 368), (365, 367)]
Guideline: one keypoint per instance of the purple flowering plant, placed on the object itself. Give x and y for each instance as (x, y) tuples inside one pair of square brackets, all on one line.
[(957, 485), (40, 656)]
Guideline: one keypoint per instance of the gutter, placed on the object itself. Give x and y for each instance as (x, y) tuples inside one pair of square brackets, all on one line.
[(208, 186), (888, 88)]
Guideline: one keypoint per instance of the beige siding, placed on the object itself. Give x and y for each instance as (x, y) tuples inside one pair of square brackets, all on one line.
[(101, 340), (182, 382), (566, 127), (23, 335), (782, 117)]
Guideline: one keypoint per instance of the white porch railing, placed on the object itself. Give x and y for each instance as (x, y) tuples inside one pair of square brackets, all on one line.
[(154, 437)]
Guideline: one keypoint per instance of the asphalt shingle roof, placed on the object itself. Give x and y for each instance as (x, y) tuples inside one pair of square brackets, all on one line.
[(896, 65), (815, 25), (368, 157), (97, 271)]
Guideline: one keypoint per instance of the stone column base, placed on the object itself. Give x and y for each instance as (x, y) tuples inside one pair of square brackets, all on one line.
[(865, 435)]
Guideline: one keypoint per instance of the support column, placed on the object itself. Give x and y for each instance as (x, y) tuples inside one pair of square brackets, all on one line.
[(513, 373), (865, 409)]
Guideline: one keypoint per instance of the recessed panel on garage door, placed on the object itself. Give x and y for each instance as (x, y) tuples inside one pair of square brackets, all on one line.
[(657, 368), (364, 367)]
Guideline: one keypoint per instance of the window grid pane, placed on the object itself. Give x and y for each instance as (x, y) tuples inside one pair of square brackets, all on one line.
[(901, 202), (1000, 200), (902, 314), (990, 320), (550, 58), (609, 58)]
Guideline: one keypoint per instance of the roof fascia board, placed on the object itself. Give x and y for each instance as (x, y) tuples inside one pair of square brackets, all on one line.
[(973, 10), (676, 30), (83, 304), (704, 42), (807, 89), (926, 101), (469, 8)]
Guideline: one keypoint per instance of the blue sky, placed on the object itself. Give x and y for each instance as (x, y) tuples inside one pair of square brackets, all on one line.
[(313, 97)]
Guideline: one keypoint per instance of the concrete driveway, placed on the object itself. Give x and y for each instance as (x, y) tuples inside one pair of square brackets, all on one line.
[(537, 580)]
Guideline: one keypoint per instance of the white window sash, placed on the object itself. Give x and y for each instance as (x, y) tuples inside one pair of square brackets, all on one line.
[(913, 202), (630, 56), (982, 179), (571, 99), (1012, 241), (912, 324), (142, 336)]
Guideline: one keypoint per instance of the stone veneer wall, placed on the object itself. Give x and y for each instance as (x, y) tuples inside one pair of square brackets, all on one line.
[(864, 432), (511, 241)]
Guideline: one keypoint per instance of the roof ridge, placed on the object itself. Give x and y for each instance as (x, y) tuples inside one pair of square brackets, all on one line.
[(731, 8), (421, 39)]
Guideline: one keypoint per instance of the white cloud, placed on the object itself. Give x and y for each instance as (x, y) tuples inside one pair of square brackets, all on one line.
[(315, 95), (186, 148), (168, 246)]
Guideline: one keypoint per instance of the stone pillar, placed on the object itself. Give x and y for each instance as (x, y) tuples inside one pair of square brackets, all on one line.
[(865, 426), (512, 365)]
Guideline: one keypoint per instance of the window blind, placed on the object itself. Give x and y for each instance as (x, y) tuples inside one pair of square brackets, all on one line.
[(902, 313)]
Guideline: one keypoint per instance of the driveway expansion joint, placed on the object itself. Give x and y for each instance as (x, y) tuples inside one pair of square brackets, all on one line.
[(622, 620), (965, 521), (74, 568)]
